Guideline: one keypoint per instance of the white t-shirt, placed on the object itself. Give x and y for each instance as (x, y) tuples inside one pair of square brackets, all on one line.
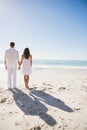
[(11, 57)]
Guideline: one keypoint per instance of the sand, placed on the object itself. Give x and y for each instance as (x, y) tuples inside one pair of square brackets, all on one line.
[(57, 100)]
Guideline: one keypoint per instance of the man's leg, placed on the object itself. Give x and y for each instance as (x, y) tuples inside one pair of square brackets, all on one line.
[(9, 77), (14, 77)]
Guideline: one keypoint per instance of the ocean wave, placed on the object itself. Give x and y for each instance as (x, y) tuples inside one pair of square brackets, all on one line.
[(54, 64), (57, 67)]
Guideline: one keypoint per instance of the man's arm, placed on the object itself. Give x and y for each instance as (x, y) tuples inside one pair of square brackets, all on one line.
[(5, 65), (5, 57)]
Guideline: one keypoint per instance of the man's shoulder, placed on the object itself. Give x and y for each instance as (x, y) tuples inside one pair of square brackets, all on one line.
[(16, 50), (11, 50), (7, 50)]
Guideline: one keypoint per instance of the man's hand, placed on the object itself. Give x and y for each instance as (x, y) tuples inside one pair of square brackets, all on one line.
[(19, 67), (6, 67)]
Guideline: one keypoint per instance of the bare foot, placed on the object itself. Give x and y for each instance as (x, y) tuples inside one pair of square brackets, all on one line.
[(27, 86)]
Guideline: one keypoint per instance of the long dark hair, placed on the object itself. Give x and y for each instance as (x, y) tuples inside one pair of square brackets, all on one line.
[(26, 53)]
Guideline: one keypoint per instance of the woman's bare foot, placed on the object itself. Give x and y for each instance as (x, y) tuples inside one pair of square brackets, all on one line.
[(27, 86)]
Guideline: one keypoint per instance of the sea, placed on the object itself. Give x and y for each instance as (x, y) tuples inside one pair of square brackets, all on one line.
[(51, 64)]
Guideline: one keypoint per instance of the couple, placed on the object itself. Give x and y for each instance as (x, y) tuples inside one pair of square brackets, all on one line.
[(11, 59)]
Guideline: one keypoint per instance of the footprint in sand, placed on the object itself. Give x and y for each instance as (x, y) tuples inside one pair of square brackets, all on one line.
[(3, 100), (76, 109)]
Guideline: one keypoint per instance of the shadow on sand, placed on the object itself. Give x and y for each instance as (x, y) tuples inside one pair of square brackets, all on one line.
[(50, 100), (31, 105)]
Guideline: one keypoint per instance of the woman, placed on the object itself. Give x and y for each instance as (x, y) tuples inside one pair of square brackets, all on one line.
[(26, 61)]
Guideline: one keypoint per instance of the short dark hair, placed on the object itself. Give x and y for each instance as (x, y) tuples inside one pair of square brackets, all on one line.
[(12, 44)]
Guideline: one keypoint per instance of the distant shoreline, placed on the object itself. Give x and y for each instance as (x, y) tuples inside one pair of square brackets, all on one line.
[(44, 64)]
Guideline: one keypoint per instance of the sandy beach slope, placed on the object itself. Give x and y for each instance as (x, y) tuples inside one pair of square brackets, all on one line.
[(57, 100)]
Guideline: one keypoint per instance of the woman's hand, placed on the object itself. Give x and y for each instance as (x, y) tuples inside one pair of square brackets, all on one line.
[(19, 67)]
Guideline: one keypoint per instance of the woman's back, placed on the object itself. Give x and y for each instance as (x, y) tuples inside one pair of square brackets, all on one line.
[(26, 66)]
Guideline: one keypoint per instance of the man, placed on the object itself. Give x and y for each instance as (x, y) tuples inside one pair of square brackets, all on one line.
[(11, 59)]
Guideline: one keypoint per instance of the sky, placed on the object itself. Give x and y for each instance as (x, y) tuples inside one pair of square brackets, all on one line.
[(52, 29)]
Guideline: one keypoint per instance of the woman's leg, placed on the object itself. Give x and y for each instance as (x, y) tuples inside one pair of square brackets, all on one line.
[(26, 80)]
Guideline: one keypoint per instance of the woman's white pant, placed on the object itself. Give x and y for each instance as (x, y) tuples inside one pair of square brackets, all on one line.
[(11, 77)]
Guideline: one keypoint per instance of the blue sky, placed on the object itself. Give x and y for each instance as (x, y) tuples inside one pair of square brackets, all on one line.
[(52, 29)]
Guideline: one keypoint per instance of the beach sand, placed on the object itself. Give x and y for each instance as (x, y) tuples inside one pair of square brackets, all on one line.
[(57, 100)]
